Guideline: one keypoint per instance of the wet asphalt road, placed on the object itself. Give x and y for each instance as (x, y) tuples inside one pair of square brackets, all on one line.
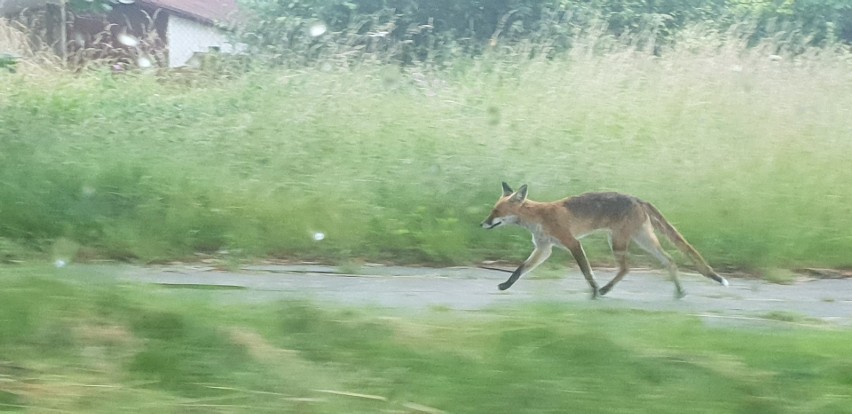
[(469, 289)]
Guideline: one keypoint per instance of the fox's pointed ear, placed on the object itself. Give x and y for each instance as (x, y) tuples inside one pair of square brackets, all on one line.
[(506, 189), (521, 195)]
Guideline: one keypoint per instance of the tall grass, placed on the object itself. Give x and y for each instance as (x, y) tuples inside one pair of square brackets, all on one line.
[(70, 344), (744, 150), (30, 54)]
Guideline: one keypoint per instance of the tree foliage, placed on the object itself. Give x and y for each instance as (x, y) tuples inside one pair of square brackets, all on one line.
[(95, 6), (817, 22), (414, 29)]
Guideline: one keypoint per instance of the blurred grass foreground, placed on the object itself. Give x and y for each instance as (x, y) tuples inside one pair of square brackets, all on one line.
[(744, 150), (70, 345)]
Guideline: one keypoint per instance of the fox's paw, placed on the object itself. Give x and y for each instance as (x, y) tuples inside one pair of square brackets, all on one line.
[(604, 290), (504, 286), (679, 294)]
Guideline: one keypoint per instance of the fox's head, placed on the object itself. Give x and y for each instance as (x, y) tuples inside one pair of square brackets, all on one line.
[(506, 209)]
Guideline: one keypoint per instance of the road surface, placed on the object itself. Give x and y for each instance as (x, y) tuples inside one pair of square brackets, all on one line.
[(745, 301)]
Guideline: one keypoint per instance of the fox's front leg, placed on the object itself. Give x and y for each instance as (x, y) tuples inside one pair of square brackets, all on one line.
[(539, 255), (573, 245)]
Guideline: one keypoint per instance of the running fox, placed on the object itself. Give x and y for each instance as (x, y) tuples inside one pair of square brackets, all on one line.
[(563, 222)]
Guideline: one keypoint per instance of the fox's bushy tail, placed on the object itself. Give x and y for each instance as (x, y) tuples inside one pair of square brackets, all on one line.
[(663, 226)]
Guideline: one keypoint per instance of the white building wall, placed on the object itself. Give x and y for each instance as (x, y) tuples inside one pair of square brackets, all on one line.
[(186, 37)]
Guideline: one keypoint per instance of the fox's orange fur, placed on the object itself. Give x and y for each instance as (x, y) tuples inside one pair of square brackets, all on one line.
[(561, 223)]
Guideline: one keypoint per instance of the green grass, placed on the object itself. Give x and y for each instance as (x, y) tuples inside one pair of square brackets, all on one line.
[(744, 154), (68, 344)]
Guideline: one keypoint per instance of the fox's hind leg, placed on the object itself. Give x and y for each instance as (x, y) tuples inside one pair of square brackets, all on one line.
[(619, 247), (647, 240)]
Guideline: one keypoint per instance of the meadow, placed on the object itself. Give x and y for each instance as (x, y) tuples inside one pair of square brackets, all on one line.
[(68, 344), (744, 148), (746, 151)]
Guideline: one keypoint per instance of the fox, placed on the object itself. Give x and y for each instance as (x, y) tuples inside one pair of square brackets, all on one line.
[(563, 222)]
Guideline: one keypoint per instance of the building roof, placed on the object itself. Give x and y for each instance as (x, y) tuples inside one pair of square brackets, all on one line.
[(208, 11)]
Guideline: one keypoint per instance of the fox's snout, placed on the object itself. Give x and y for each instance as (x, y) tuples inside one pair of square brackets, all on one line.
[(491, 223)]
